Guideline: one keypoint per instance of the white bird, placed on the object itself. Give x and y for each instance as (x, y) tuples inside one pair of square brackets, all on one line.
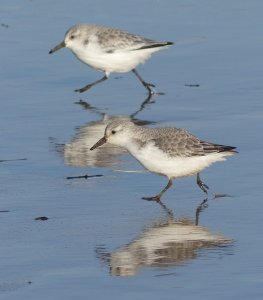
[(172, 152), (109, 50)]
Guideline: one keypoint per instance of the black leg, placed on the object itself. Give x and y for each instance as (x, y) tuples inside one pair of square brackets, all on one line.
[(201, 184), (89, 86), (158, 197), (145, 84)]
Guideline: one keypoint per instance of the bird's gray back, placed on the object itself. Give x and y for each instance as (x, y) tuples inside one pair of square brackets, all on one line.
[(111, 39), (177, 142)]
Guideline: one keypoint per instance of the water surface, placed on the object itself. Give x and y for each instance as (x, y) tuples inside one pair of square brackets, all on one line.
[(101, 239)]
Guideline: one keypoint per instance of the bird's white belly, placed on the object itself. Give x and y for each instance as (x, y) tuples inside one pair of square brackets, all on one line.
[(155, 160), (118, 61)]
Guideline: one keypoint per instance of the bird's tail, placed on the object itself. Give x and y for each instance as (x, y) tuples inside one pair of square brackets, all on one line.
[(212, 148), (155, 45)]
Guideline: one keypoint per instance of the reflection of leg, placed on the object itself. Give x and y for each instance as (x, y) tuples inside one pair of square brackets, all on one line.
[(143, 105), (203, 205), (102, 253), (145, 84), (201, 184), (158, 197), (91, 108), (166, 209), (89, 86)]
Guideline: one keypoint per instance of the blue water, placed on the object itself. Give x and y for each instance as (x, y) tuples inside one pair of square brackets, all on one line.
[(101, 239)]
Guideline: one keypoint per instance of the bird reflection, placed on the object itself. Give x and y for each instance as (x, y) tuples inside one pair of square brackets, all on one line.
[(146, 102), (77, 151), (170, 242)]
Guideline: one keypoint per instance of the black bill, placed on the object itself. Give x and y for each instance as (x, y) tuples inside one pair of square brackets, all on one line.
[(59, 46), (99, 143)]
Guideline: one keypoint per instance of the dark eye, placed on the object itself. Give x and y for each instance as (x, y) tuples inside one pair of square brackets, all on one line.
[(113, 131), (72, 37)]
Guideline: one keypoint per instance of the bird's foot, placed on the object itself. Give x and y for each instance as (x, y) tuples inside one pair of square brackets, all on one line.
[(147, 84), (154, 198), (202, 185), (151, 90), (150, 87), (85, 88)]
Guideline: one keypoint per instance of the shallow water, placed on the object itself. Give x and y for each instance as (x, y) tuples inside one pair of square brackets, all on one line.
[(101, 239)]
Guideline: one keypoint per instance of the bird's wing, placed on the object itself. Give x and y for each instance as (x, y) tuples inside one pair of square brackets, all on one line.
[(180, 146), (115, 40), (180, 143)]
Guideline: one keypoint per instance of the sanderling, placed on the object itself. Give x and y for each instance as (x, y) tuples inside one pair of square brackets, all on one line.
[(109, 50), (172, 152)]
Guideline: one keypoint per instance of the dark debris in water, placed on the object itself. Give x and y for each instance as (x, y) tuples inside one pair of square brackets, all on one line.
[(4, 160), (84, 176), (217, 196), (41, 218), (192, 85), (5, 25)]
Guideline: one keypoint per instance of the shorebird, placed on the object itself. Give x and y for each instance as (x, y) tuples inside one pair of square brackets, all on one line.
[(172, 152), (109, 50)]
